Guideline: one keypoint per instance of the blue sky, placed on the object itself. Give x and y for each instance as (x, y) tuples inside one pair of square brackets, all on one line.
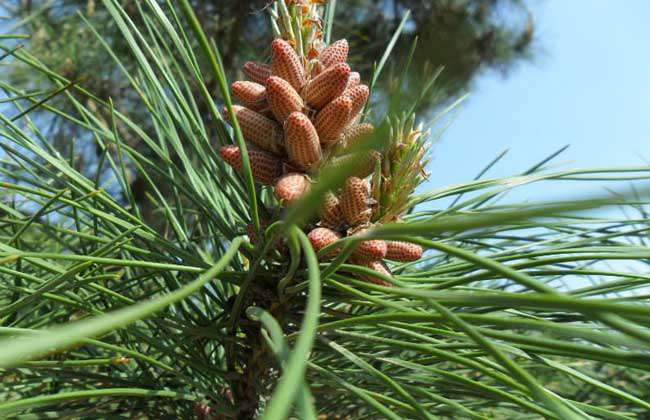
[(588, 86)]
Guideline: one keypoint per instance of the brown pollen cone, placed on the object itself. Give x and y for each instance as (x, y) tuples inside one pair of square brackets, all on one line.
[(266, 168), (335, 53), (327, 86), (359, 96), (403, 251), (282, 98), (286, 64), (330, 214), (370, 250), (301, 141), (322, 237), (257, 72), (251, 94), (263, 132), (353, 81), (332, 120), (355, 201), (291, 187), (379, 267)]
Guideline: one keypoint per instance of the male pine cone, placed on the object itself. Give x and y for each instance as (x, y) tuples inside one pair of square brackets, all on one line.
[(294, 114)]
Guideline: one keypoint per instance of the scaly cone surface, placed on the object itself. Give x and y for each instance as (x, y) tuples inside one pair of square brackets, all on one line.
[(300, 114)]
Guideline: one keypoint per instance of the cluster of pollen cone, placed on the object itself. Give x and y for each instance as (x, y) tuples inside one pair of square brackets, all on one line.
[(300, 116)]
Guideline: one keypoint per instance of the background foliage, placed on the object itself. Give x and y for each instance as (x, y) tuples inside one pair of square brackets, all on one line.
[(469, 36)]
